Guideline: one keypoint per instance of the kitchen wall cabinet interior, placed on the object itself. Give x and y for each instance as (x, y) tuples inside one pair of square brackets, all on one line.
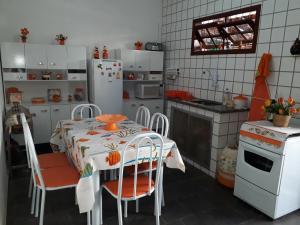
[(76, 57), (36, 56), (57, 57), (12, 55)]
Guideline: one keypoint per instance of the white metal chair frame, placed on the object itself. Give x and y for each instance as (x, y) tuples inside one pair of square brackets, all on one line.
[(138, 141), (160, 119), (91, 108), (142, 116), (35, 170)]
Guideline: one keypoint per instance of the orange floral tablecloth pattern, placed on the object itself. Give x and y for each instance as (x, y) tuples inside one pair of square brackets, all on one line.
[(91, 148)]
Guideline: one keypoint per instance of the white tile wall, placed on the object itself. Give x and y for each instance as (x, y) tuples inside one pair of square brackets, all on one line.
[(279, 27)]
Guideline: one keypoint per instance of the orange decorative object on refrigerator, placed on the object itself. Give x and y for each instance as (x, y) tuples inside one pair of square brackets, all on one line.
[(111, 120)]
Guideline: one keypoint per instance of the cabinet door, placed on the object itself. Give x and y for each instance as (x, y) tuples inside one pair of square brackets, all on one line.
[(142, 60), (57, 57), (59, 112), (76, 57), (156, 61), (41, 123), (128, 58), (85, 114), (35, 56), (12, 55), (130, 108)]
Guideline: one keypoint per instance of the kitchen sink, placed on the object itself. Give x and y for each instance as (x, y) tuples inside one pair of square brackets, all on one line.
[(205, 102)]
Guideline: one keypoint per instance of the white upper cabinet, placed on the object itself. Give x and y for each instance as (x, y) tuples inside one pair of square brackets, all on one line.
[(57, 57), (142, 60), (156, 61), (76, 57), (128, 58), (36, 56), (12, 55)]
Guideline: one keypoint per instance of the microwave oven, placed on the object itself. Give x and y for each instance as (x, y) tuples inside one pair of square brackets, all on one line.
[(145, 91)]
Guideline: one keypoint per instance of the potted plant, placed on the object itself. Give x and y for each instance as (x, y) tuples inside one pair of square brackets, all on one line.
[(60, 38), (24, 32), (281, 110)]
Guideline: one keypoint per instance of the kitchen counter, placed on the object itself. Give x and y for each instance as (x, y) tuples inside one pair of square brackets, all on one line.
[(212, 108)]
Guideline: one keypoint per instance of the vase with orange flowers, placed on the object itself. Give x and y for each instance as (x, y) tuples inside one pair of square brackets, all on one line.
[(61, 39), (24, 32), (282, 110), (138, 45)]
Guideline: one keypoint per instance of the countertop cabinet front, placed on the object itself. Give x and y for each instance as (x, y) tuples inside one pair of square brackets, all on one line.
[(12, 55), (57, 57), (59, 112), (36, 56), (130, 108), (41, 123)]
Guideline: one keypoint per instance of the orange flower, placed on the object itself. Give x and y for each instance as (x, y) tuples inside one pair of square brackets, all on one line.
[(291, 101), (293, 110), (280, 111), (280, 100), (268, 102)]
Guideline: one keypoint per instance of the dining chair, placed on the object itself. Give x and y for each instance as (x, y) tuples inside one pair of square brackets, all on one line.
[(93, 109), (46, 160), (134, 187), (47, 179), (142, 116)]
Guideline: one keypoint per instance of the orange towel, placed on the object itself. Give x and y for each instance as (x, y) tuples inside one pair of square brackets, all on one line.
[(261, 91)]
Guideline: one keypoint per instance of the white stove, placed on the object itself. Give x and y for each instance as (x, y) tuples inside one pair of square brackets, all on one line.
[(268, 168)]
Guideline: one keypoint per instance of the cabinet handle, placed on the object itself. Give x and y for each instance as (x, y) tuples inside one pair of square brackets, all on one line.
[(41, 63), (157, 107), (33, 114), (131, 66), (56, 110), (52, 64), (133, 105), (140, 66), (44, 110), (141, 104)]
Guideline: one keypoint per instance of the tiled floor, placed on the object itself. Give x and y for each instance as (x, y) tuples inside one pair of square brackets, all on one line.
[(191, 199)]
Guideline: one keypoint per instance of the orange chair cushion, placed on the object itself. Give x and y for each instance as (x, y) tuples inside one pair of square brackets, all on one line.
[(50, 160), (59, 177), (128, 183)]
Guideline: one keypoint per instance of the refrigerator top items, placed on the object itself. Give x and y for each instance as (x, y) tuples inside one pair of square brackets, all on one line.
[(106, 84), (268, 162)]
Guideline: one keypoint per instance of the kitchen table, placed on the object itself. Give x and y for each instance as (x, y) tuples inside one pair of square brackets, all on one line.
[(93, 149)]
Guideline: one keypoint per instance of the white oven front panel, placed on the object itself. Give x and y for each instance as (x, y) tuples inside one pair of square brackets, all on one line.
[(260, 167)]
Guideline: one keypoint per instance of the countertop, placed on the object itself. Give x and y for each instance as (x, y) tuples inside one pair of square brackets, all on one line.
[(212, 108)]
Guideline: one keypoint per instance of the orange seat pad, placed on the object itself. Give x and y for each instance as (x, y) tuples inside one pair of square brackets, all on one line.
[(50, 160), (128, 183), (59, 177)]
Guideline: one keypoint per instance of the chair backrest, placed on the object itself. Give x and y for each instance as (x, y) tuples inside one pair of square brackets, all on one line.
[(23, 121), (161, 123), (142, 143), (93, 109), (34, 164), (142, 116)]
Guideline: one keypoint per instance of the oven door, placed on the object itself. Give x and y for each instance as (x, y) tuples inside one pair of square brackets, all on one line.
[(260, 167)]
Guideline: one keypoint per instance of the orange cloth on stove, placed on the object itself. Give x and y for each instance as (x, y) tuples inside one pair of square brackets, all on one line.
[(261, 91)]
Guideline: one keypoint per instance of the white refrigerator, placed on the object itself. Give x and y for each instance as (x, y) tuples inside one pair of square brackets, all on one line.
[(106, 85)]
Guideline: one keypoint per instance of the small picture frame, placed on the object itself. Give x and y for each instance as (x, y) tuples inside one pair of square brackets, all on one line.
[(54, 95)]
